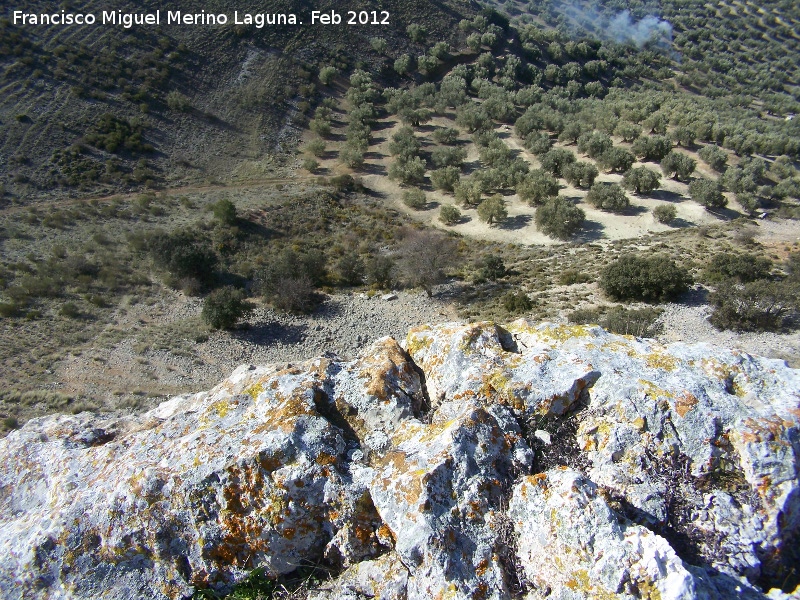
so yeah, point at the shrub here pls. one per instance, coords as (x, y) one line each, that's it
(449, 214)
(468, 191)
(326, 74)
(517, 302)
(559, 218)
(310, 165)
(649, 279)
(556, 159)
(425, 256)
(446, 135)
(183, 254)
(743, 268)
(445, 179)
(616, 159)
(380, 271)
(491, 267)
(641, 180)
(414, 198)
(608, 196)
(580, 174)
(351, 157)
(641, 322)
(665, 213)
(443, 156)
(403, 65)
(350, 269)
(492, 209)
(652, 147)
(316, 147)
(708, 193)
(224, 211)
(537, 187)
(594, 144)
(714, 156)
(408, 171)
(573, 276)
(177, 101)
(222, 308)
(756, 306)
(416, 33)
(678, 165)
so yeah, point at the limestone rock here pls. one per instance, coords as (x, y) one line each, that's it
(671, 471)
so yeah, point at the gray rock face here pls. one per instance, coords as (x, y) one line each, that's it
(472, 461)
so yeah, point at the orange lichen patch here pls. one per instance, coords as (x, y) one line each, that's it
(660, 360)
(325, 459)
(540, 480)
(386, 533)
(288, 533)
(685, 402)
(764, 487)
(389, 364)
(764, 430)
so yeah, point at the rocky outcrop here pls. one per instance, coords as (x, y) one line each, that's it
(472, 461)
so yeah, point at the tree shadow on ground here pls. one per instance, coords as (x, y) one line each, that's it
(515, 222)
(269, 333)
(590, 231)
(373, 169)
(665, 195)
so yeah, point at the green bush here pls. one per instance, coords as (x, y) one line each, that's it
(445, 179)
(224, 211)
(715, 157)
(316, 147)
(555, 160)
(608, 196)
(743, 268)
(415, 198)
(222, 308)
(449, 214)
(537, 187)
(580, 174)
(491, 267)
(665, 213)
(326, 74)
(493, 210)
(310, 164)
(445, 135)
(678, 165)
(708, 193)
(648, 279)
(350, 269)
(755, 306)
(517, 302)
(641, 180)
(559, 218)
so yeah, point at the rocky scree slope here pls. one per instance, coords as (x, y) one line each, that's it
(471, 461)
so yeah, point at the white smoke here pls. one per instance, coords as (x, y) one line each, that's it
(623, 29)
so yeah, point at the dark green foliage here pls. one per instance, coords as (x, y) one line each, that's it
(642, 322)
(223, 307)
(113, 134)
(491, 267)
(580, 174)
(594, 144)
(184, 254)
(608, 196)
(743, 268)
(350, 269)
(443, 156)
(469, 191)
(224, 211)
(641, 180)
(559, 218)
(678, 165)
(756, 306)
(449, 214)
(536, 187)
(445, 179)
(652, 147)
(708, 193)
(407, 171)
(414, 198)
(380, 271)
(492, 210)
(404, 144)
(288, 280)
(555, 160)
(517, 302)
(665, 213)
(715, 157)
(648, 279)
(617, 160)
(445, 135)
(538, 143)
(69, 310)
